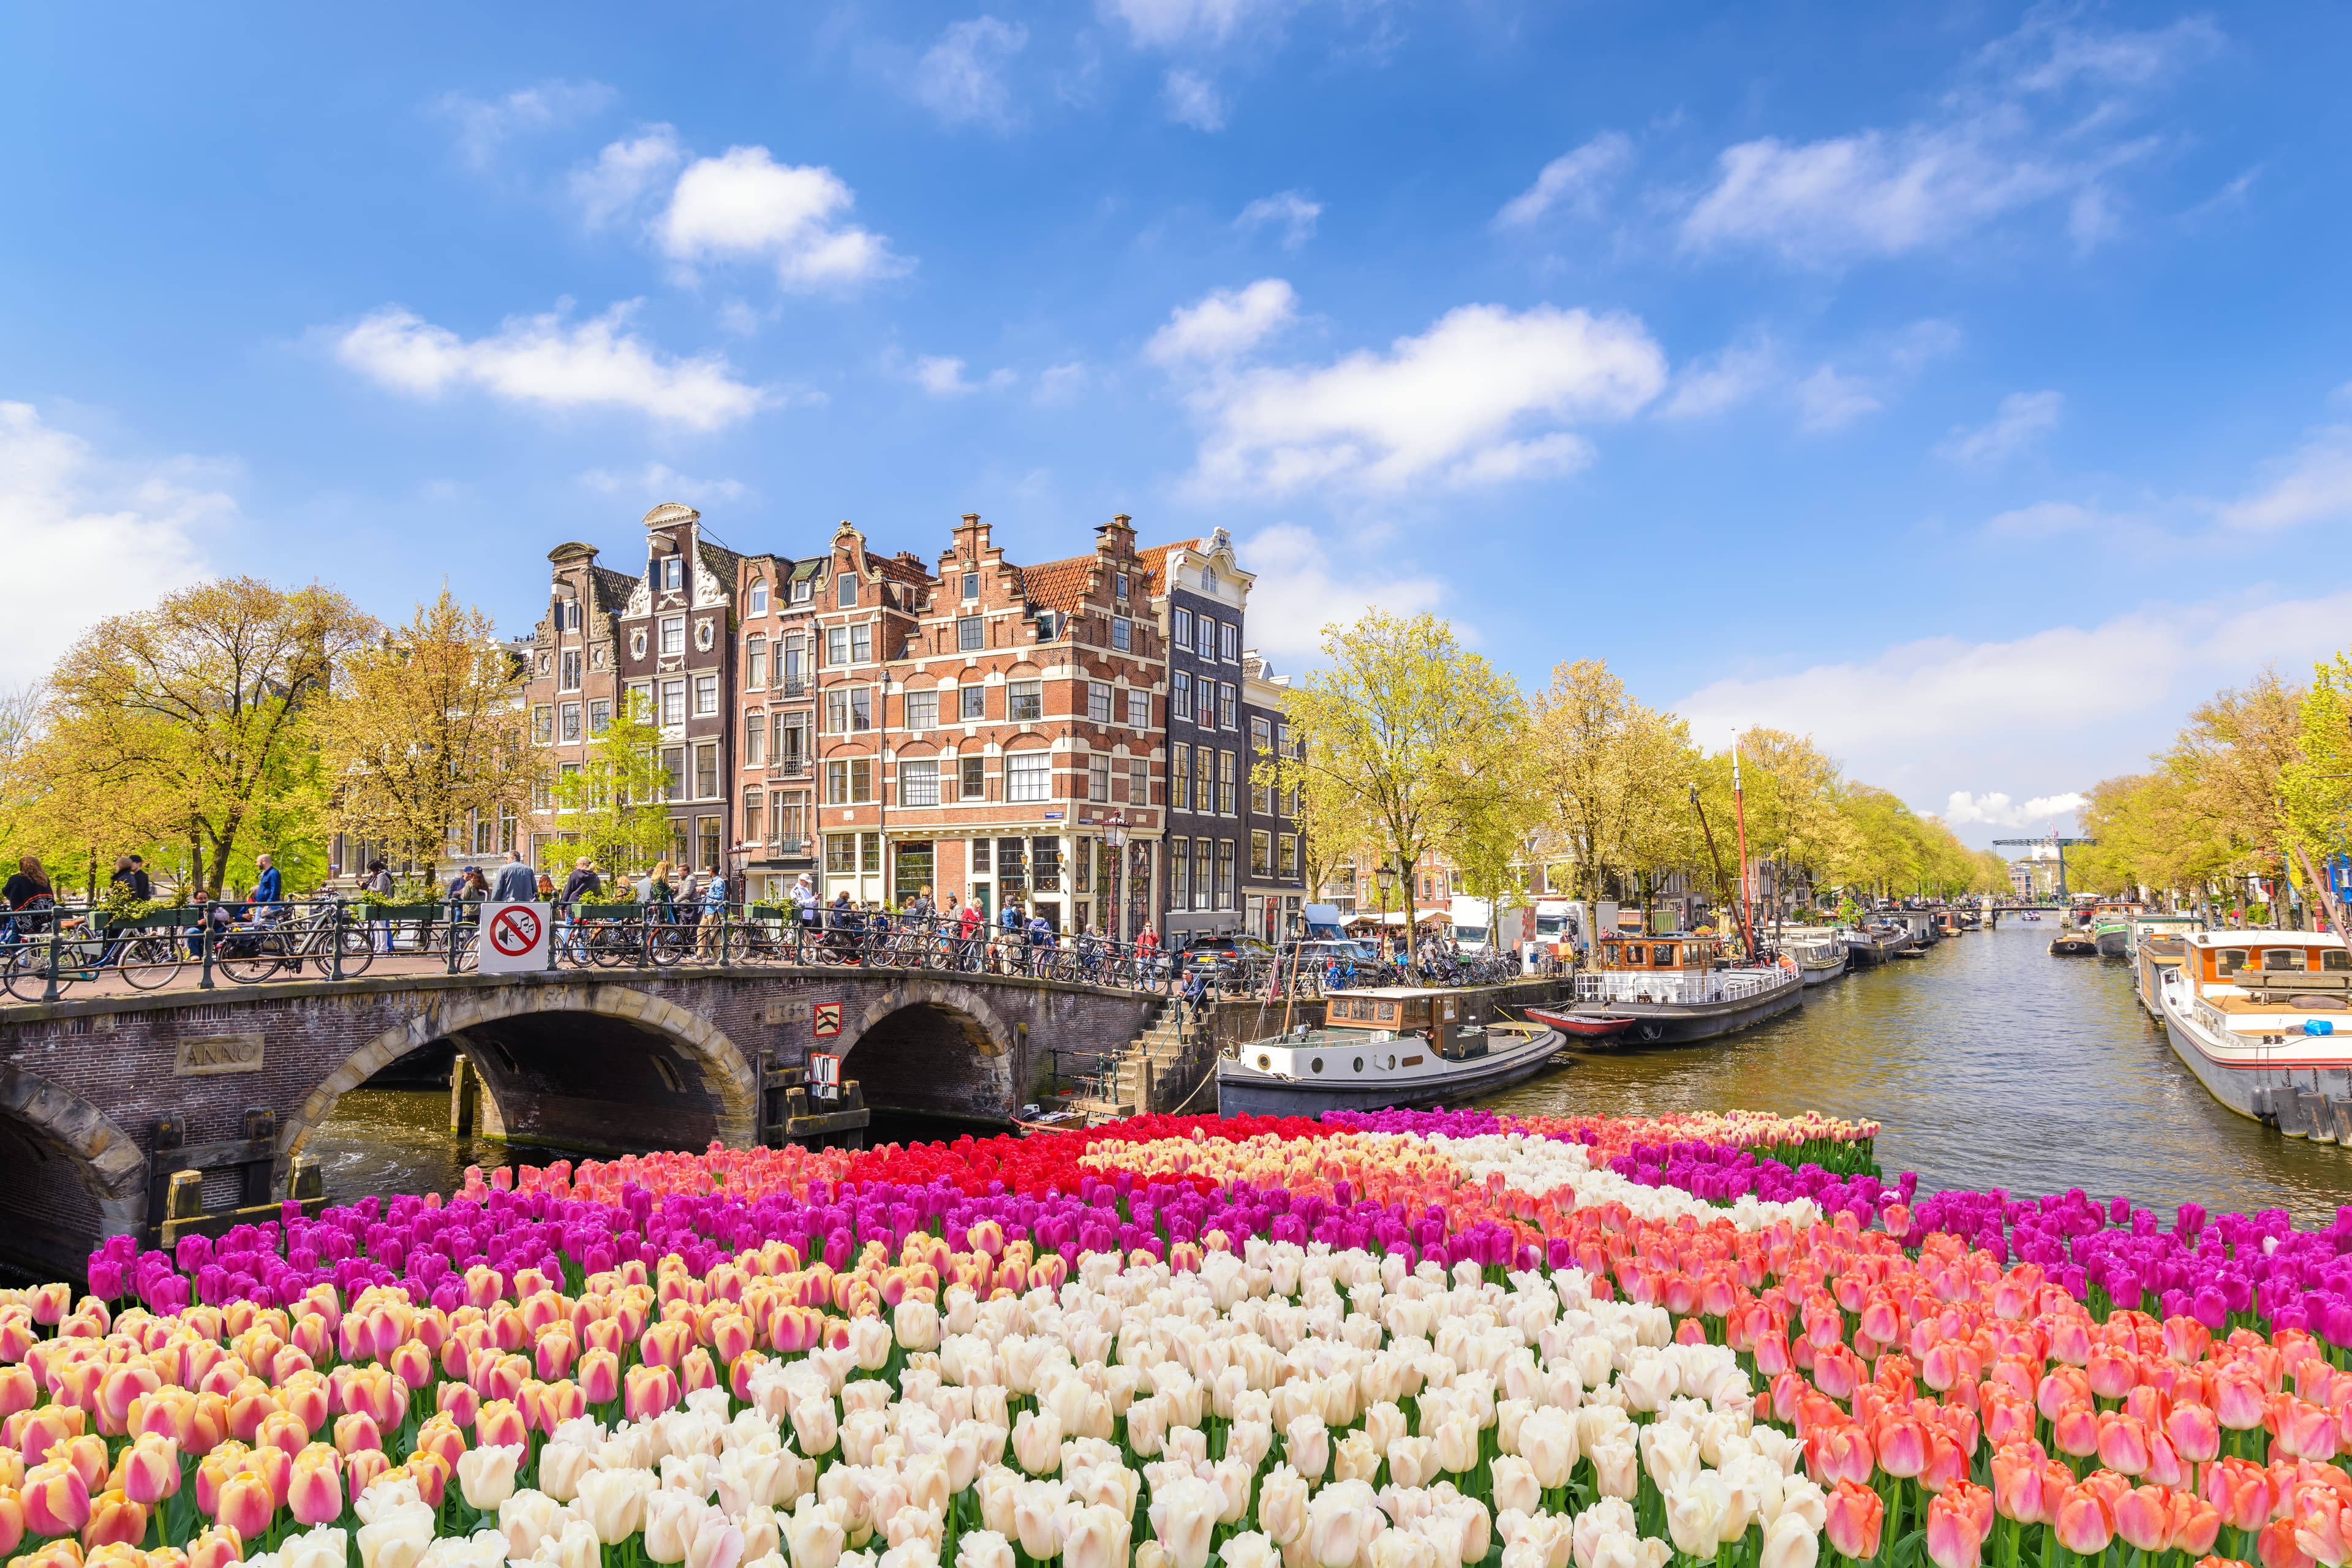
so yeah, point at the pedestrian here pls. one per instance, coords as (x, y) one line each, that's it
(714, 913)
(546, 888)
(121, 878)
(377, 885)
(968, 931)
(804, 910)
(1195, 994)
(583, 882)
(922, 908)
(516, 885)
(268, 889)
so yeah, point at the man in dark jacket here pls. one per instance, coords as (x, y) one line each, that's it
(517, 884)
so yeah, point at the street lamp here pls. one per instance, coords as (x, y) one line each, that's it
(1386, 876)
(1115, 837)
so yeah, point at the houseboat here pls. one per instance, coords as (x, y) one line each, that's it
(2264, 1018)
(2157, 948)
(1678, 989)
(2111, 928)
(1384, 1048)
(1866, 947)
(1819, 950)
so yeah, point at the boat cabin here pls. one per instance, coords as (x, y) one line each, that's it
(1450, 1020)
(2267, 960)
(1630, 952)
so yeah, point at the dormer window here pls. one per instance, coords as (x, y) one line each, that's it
(671, 573)
(1208, 579)
(759, 605)
(801, 591)
(846, 594)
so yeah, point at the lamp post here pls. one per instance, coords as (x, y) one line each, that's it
(1386, 876)
(1115, 837)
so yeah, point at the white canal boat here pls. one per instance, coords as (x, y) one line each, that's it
(2264, 1018)
(1380, 1049)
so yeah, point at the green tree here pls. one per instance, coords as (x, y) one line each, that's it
(612, 806)
(426, 727)
(1392, 732)
(199, 714)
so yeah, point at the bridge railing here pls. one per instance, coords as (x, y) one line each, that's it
(56, 955)
(53, 954)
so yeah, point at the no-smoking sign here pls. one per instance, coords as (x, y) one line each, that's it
(514, 938)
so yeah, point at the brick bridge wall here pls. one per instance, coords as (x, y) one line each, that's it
(618, 1060)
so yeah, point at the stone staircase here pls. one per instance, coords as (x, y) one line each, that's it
(1150, 1068)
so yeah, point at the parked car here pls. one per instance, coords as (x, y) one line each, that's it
(1226, 957)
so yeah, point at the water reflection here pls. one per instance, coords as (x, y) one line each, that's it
(1989, 1064)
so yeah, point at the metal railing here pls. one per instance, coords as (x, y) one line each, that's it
(1680, 986)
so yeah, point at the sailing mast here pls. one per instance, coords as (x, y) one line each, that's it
(1740, 812)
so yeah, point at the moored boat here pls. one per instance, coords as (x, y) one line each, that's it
(2264, 1018)
(2073, 942)
(2157, 948)
(1820, 952)
(2110, 927)
(1673, 989)
(1380, 1049)
(1581, 1025)
(1872, 945)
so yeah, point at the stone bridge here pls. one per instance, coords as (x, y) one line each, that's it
(101, 1099)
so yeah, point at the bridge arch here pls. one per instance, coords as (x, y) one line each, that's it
(556, 1059)
(934, 1045)
(79, 1170)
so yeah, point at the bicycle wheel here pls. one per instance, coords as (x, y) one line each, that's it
(249, 957)
(465, 939)
(358, 948)
(670, 946)
(148, 963)
(27, 973)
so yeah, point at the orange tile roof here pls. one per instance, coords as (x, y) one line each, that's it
(1056, 586)
(1155, 561)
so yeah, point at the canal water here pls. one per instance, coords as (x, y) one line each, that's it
(1988, 1063)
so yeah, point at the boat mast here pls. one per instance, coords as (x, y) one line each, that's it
(1739, 813)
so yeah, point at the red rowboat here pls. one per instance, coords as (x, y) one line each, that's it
(1583, 1025)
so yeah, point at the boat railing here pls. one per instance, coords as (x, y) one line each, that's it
(1675, 985)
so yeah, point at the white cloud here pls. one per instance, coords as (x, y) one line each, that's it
(2057, 709)
(1169, 24)
(1455, 404)
(1723, 380)
(2022, 418)
(1060, 383)
(1292, 210)
(1994, 809)
(1828, 400)
(1227, 323)
(118, 532)
(659, 482)
(485, 124)
(1574, 180)
(942, 377)
(625, 173)
(744, 205)
(2039, 119)
(1192, 99)
(1304, 583)
(2043, 518)
(2313, 484)
(551, 362)
(961, 78)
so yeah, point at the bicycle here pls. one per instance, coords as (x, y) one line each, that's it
(255, 951)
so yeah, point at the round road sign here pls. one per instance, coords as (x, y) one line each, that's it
(514, 931)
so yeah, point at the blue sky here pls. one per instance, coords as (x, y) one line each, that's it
(1967, 385)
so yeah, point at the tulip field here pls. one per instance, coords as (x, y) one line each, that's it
(1386, 1340)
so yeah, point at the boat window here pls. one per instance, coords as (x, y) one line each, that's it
(2276, 958)
(1663, 955)
(1360, 1064)
(1316, 1064)
(2335, 958)
(2229, 960)
(1636, 953)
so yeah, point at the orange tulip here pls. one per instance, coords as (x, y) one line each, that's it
(1958, 1520)
(2144, 1518)
(247, 1505)
(148, 1469)
(439, 1436)
(215, 1547)
(647, 1391)
(411, 1362)
(282, 1429)
(275, 1467)
(2122, 1443)
(2074, 1431)
(114, 1520)
(1855, 1519)
(355, 1432)
(361, 1467)
(2195, 1524)
(56, 1499)
(2277, 1548)
(499, 1424)
(554, 1354)
(314, 1492)
(2240, 1491)
(458, 1402)
(2083, 1524)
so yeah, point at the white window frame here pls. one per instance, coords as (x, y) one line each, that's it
(1028, 776)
